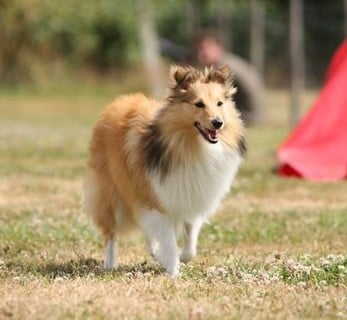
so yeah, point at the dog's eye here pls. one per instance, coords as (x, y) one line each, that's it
(200, 104)
(220, 103)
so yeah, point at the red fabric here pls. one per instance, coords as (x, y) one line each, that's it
(317, 148)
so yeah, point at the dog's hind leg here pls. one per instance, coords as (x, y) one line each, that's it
(100, 202)
(107, 226)
(107, 223)
(191, 234)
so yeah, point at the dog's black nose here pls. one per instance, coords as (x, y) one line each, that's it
(217, 123)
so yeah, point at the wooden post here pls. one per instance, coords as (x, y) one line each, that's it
(297, 60)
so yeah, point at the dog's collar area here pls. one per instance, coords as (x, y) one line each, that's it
(211, 135)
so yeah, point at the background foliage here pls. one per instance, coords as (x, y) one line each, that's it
(40, 38)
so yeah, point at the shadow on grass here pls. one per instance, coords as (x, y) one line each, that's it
(83, 268)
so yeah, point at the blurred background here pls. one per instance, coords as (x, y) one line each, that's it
(60, 44)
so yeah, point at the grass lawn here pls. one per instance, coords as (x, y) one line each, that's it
(277, 249)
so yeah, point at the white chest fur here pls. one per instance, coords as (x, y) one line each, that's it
(195, 188)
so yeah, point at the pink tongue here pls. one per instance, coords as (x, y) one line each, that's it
(213, 134)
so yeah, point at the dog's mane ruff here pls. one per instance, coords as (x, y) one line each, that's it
(157, 155)
(163, 153)
(195, 188)
(242, 145)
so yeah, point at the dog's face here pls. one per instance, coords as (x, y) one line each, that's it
(204, 99)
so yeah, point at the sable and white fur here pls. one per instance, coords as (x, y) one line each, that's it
(164, 166)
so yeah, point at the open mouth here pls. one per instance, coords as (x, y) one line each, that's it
(211, 135)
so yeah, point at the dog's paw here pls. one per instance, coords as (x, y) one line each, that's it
(173, 272)
(110, 265)
(186, 256)
(170, 262)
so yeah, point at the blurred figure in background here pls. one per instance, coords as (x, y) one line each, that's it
(248, 99)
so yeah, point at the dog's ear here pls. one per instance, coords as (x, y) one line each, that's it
(222, 75)
(182, 77)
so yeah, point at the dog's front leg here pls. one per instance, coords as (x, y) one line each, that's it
(110, 261)
(191, 234)
(158, 226)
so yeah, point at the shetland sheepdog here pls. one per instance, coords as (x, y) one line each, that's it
(164, 166)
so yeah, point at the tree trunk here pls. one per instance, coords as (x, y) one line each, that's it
(150, 48)
(257, 45)
(193, 18)
(297, 59)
